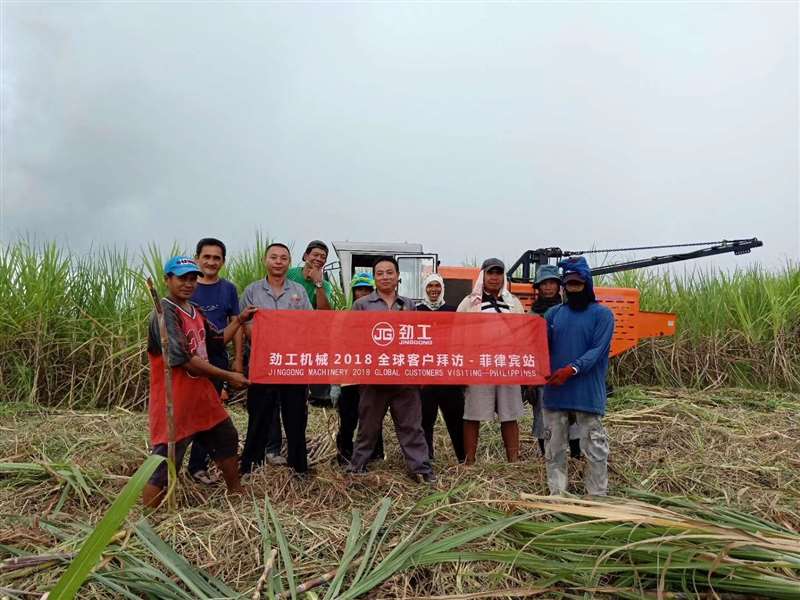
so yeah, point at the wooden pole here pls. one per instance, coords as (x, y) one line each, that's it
(162, 330)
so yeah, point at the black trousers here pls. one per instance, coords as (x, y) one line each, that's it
(347, 406)
(263, 401)
(450, 400)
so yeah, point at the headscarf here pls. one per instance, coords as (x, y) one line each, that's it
(433, 305)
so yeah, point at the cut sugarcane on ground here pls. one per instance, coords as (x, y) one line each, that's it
(735, 454)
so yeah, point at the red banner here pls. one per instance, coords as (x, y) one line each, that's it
(394, 347)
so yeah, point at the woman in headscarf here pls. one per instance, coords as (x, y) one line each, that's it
(447, 398)
(482, 402)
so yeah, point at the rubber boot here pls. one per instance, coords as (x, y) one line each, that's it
(510, 433)
(471, 432)
(541, 446)
(230, 473)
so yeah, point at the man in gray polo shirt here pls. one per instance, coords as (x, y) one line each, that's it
(276, 292)
(402, 401)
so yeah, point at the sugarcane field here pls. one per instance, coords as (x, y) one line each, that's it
(399, 300)
(703, 501)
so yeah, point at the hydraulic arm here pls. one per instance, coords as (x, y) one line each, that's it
(524, 269)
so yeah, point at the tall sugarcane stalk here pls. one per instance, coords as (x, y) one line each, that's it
(172, 478)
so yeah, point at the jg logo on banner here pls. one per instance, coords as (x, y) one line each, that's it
(382, 334)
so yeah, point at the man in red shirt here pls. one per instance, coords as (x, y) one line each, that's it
(198, 411)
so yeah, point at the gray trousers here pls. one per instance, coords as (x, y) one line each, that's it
(405, 406)
(537, 429)
(594, 445)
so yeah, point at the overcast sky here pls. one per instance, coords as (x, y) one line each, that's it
(475, 129)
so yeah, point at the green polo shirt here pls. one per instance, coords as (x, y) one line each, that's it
(296, 275)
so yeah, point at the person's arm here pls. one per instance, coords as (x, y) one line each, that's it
(238, 336)
(601, 343)
(323, 302)
(179, 355)
(314, 275)
(199, 366)
(238, 350)
(548, 317)
(246, 300)
(233, 327)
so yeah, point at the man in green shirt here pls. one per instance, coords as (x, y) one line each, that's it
(309, 275)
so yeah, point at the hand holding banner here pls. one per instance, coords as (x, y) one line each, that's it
(398, 348)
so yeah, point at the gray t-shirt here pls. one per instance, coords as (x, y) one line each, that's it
(373, 302)
(260, 294)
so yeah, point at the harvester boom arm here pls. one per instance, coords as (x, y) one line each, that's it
(532, 259)
(735, 246)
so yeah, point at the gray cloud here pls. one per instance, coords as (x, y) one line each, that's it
(475, 129)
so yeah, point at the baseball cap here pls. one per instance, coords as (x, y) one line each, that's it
(316, 244)
(181, 265)
(493, 263)
(573, 276)
(362, 280)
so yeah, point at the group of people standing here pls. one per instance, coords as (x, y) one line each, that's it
(202, 314)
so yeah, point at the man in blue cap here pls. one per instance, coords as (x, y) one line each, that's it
(579, 334)
(198, 413)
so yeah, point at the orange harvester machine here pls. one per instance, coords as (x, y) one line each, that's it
(631, 323)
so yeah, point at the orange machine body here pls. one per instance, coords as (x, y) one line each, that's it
(631, 324)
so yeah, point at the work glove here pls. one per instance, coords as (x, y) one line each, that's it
(561, 376)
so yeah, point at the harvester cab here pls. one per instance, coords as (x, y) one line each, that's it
(356, 257)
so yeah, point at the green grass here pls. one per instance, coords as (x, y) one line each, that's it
(72, 328)
(735, 329)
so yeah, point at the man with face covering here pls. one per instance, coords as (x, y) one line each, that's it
(548, 294)
(447, 398)
(579, 335)
(482, 402)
